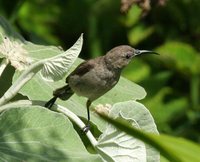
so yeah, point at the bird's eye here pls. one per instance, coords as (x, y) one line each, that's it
(128, 56)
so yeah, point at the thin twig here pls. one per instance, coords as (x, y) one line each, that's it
(76, 120)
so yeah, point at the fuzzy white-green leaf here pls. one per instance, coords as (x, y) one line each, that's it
(115, 145)
(55, 68)
(52, 68)
(32, 133)
(118, 146)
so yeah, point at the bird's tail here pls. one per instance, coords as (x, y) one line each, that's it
(63, 93)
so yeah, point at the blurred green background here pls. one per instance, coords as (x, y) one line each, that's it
(170, 27)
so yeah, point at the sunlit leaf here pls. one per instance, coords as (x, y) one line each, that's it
(51, 67)
(15, 53)
(180, 56)
(139, 33)
(133, 16)
(37, 134)
(137, 71)
(174, 149)
(116, 145)
(56, 68)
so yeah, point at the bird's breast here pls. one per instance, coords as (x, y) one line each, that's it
(94, 83)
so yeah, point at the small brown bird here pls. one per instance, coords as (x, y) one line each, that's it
(95, 77)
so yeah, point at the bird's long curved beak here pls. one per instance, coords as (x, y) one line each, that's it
(139, 52)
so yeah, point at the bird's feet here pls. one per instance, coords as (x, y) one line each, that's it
(86, 128)
(50, 103)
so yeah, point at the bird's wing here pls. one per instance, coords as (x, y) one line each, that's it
(82, 69)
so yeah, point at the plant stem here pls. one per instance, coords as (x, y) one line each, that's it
(20, 103)
(76, 120)
(3, 65)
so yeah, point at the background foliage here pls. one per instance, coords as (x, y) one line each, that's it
(172, 80)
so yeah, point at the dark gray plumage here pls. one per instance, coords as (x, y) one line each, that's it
(95, 77)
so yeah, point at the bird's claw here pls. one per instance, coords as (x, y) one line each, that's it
(86, 128)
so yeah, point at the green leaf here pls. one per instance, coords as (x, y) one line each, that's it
(125, 147)
(184, 149)
(180, 56)
(19, 54)
(14, 52)
(137, 70)
(56, 68)
(133, 16)
(37, 134)
(130, 90)
(65, 59)
(115, 145)
(174, 149)
(139, 33)
(165, 112)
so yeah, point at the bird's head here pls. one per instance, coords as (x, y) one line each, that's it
(120, 56)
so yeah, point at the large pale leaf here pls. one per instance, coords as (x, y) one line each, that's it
(37, 134)
(18, 53)
(12, 47)
(52, 69)
(57, 67)
(120, 146)
(173, 148)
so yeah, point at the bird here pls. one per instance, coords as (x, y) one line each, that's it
(95, 77)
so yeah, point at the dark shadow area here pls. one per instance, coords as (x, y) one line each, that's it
(94, 130)
(6, 79)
